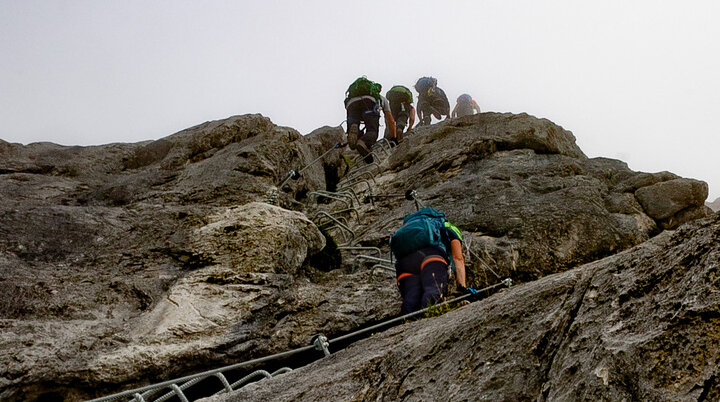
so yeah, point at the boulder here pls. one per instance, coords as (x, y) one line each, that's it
(674, 202)
(258, 237)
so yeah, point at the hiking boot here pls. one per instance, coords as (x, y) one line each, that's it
(353, 135)
(362, 149)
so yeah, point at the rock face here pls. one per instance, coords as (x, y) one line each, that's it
(640, 325)
(128, 264)
(715, 205)
(527, 198)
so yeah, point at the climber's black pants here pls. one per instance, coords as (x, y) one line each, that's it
(422, 284)
(368, 112)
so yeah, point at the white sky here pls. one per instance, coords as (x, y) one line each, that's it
(633, 80)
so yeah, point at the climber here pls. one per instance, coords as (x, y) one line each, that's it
(465, 106)
(363, 103)
(422, 247)
(401, 99)
(432, 101)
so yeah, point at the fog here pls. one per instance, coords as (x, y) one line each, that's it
(636, 81)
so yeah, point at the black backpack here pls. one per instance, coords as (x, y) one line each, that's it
(439, 100)
(424, 83)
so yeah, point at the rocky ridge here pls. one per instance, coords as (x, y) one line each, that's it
(640, 325)
(715, 205)
(128, 264)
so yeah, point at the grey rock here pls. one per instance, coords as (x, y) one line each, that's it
(639, 325)
(715, 205)
(127, 264)
(527, 207)
(132, 261)
(675, 201)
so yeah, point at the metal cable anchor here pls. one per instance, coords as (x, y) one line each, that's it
(321, 343)
(412, 195)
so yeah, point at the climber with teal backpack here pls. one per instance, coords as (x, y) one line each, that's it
(424, 246)
(363, 103)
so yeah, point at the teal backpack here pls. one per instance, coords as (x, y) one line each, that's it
(419, 230)
(363, 86)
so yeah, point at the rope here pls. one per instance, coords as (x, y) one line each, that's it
(485, 266)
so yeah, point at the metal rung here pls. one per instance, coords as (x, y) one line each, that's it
(331, 196)
(335, 194)
(345, 239)
(224, 382)
(349, 186)
(376, 259)
(368, 175)
(350, 210)
(282, 371)
(250, 377)
(367, 168)
(376, 249)
(359, 158)
(385, 145)
(339, 224)
(320, 222)
(179, 393)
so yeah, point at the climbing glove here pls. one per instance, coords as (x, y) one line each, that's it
(474, 294)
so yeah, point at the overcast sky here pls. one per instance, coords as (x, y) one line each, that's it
(634, 80)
